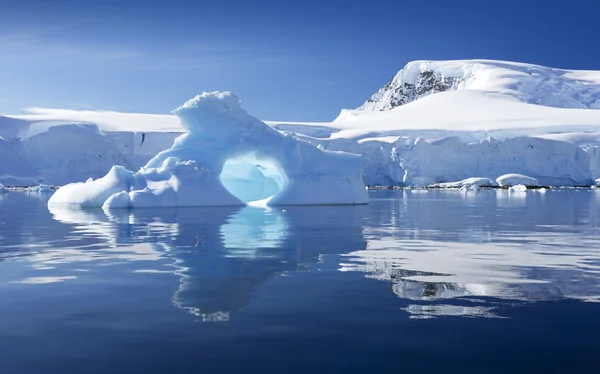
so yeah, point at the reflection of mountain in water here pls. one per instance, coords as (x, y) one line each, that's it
(223, 254)
(435, 247)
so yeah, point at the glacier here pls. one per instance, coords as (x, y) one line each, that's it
(459, 119)
(269, 168)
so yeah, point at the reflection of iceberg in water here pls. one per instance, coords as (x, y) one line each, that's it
(88, 223)
(99, 238)
(244, 252)
(252, 229)
(256, 246)
(516, 250)
(221, 255)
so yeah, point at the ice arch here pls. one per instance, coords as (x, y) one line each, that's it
(252, 178)
(219, 130)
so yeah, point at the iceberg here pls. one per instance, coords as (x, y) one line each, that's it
(473, 181)
(518, 188)
(226, 158)
(508, 180)
(470, 187)
(42, 188)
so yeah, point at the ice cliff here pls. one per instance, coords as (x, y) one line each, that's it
(218, 130)
(409, 161)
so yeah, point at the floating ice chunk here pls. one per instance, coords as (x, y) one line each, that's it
(518, 188)
(42, 188)
(515, 179)
(3, 189)
(472, 188)
(189, 173)
(541, 190)
(482, 182)
(419, 190)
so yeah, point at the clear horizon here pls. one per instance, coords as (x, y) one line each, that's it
(289, 62)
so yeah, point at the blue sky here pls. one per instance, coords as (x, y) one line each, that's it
(286, 60)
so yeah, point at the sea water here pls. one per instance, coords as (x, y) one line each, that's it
(444, 281)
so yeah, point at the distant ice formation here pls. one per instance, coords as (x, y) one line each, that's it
(473, 181)
(266, 165)
(509, 180)
(517, 188)
(470, 188)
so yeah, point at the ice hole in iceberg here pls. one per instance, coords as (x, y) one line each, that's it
(252, 179)
(226, 158)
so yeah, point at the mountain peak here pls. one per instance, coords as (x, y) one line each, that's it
(528, 83)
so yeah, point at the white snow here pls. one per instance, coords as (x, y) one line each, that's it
(382, 139)
(105, 120)
(495, 118)
(580, 139)
(515, 180)
(190, 172)
(456, 112)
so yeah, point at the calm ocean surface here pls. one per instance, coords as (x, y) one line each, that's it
(437, 281)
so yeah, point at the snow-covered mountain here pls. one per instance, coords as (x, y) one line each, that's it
(450, 120)
(526, 83)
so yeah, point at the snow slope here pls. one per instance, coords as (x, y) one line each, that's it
(107, 120)
(462, 119)
(471, 114)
